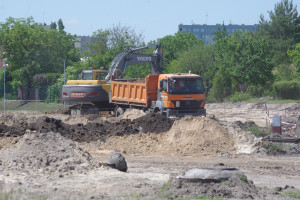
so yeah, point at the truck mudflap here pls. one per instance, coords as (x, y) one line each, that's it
(185, 113)
(84, 93)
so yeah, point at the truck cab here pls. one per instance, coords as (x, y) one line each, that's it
(180, 95)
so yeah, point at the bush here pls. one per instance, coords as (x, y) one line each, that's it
(238, 97)
(221, 86)
(287, 89)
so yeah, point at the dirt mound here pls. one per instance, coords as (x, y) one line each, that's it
(45, 152)
(236, 187)
(153, 123)
(244, 140)
(99, 131)
(133, 114)
(187, 137)
(199, 135)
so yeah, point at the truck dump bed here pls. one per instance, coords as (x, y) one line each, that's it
(137, 92)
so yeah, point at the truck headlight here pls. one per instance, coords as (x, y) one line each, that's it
(177, 103)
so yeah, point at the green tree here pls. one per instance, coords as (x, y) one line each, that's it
(175, 45)
(294, 55)
(110, 42)
(199, 59)
(245, 58)
(61, 26)
(31, 50)
(282, 30)
(53, 25)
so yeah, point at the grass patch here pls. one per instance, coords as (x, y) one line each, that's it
(201, 198)
(244, 178)
(238, 97)
(292, 193)
(17, 195)
(258, 131)
(30, 106)
(10, 195)
(165, 187)
(273, 147)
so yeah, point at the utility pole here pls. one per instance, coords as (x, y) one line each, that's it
(4, 95)
(64, 76)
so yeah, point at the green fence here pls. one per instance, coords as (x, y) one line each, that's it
(40, 98)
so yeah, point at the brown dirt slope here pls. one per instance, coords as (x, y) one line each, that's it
(187, 137)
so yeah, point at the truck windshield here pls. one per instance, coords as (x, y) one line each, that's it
(186, 86)
(87, 75)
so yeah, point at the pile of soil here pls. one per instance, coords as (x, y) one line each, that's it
(153, 123)
(236, 187)
(79, 132)
(132, 114)
(244, 140)
(195, 136)
(48, 152)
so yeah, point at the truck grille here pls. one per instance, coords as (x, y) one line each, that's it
(189, 103)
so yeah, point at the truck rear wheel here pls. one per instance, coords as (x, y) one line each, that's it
(119, 112)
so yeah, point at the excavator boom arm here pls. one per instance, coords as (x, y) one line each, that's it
(131, 57)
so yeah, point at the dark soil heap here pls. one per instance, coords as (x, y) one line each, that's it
(236, 187)
(151, 122)
(154, 123)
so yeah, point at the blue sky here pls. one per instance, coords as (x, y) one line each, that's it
(153, 18)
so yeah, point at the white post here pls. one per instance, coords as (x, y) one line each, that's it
(4, 95)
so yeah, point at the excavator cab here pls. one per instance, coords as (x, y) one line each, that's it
(118, 74)
(87, 75)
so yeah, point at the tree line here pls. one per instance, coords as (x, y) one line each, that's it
(239, 65)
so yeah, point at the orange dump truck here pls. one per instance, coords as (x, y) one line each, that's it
(173, 95)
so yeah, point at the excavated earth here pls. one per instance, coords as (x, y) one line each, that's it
(99, 131)
(56, 156)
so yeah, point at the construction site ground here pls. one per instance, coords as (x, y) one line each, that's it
(58, 156)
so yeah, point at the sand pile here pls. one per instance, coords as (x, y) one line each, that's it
(48, 152)
(133, 114)
(187, 137)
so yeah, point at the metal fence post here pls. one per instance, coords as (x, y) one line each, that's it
(4, 95)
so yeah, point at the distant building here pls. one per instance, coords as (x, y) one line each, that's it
(82, 42)
(46, 27)
(206, 32)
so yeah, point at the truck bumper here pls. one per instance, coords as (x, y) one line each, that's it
(84, 94)
(185, 113)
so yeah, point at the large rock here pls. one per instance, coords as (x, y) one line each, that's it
(211, 174)
(116, 160)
